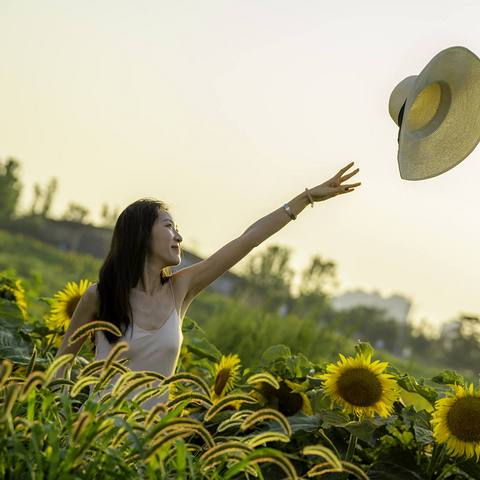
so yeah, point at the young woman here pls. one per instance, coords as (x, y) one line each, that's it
(136, 293)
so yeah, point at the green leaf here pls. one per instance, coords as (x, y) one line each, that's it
(203, 349)
(394, 370)
(335, 418)
(319, 401)
(49, 301)
(364, 428)
(11, 313)
(188, 325)
(470, 467)
(13, 345)
(411, 416)
(365, 348)
(275, 353)
(447, 377)
(410, 384)
(298, 366)
(423, 436)
(302, 387)
(300, 422)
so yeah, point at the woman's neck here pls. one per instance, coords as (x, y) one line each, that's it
(151, 278)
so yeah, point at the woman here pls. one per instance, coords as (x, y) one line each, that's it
(136, 293)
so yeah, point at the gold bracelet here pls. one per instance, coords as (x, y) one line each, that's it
(310, 199)
(289, 211)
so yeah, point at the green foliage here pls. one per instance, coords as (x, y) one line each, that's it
(10, 188)
(45, 195)
(248, 332)
(44, 269)
(52, 428)
(364, 348)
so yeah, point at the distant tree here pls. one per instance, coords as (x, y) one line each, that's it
(10, 188)
(419, 339)
(48, 195)
(109, 217)
(318, 277)
(462, 350)
(370, 325)
(316, 280)
(269, 276)
(76, 213)
(37, 193)
(43, 198)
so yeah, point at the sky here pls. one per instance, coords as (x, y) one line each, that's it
(228, 109)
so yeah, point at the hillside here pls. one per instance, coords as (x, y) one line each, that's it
(45, 268)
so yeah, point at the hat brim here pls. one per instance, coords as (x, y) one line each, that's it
(453, 134)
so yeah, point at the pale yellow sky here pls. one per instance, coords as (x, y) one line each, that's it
(228, 109)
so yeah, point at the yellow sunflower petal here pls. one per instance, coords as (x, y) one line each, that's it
(225, 375)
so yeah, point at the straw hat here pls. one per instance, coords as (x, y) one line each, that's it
(438, 113)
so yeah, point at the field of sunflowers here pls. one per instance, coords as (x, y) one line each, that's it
(284, 417)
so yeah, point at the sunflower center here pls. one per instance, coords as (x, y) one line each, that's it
(288, 403)
(359, 387)
(72, 305)
(221, 380)
(8, 294)
(464, 419)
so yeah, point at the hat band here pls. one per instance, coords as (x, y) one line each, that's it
(400, 119)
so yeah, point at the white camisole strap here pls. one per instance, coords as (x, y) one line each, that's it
(173, 294)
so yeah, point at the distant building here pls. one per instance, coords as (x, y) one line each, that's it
(397, 307)
(452, 330)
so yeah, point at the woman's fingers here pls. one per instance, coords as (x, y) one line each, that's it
(349, 175)
(348, 188)
(344, 169)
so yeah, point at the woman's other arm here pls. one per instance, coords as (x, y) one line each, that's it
(85, 312)
(199, 276)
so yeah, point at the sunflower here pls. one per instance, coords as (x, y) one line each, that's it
(456, 420)
(289, 403)
(14, 292)
(225, 375)
(361, 386)
(62, 312)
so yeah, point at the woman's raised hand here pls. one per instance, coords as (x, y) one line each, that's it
(334, 186)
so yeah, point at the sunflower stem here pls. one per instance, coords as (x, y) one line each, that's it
(437, 450)
(351, 450)
(322, 433)
(451, 467)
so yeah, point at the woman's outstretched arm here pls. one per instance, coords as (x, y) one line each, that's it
(199, 276)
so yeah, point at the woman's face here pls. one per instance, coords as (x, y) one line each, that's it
(164, 242)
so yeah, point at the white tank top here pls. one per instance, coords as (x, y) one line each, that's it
(150, 350)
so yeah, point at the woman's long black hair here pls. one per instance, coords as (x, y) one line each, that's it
(124, 263)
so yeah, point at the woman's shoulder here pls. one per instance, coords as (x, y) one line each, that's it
(92, 290)
(90, 297)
